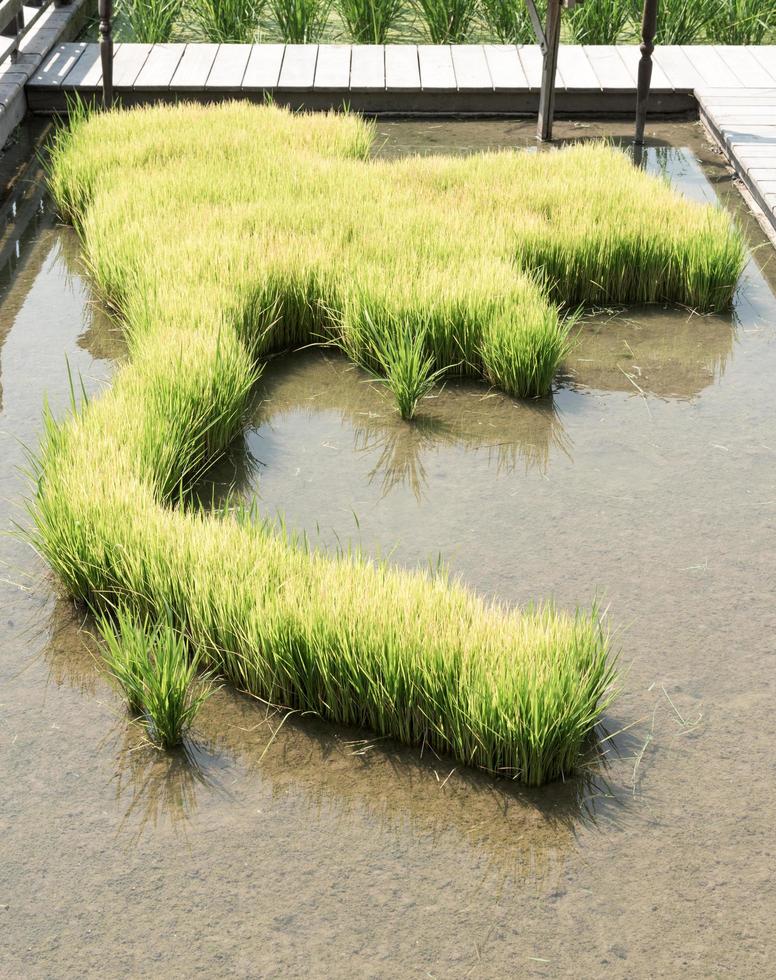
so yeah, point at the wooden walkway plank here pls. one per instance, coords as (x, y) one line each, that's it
(402, 68)
(332, 70)
(631, 57)
(677, 67)
(298, 69)
(711, 69)
(367, 68)
(228, 68)
(609, 68)
(743, 63)
(471, 68)
(436, 67)
(128, 62)
(765, 55)
(506, 70)
(531, 61)
(87, 71)
(576, 69)
(58, 65)
(156, 74)
(263, 68)
(194, 67)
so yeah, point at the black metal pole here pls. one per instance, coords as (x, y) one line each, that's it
(648, 31)
(105, 11)
(549, 68)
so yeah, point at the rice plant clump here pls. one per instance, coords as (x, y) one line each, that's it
(316, 240)
(599, 21)
(301, 21)
(369, 21)
(150, 21)
(508, 20)
(742, 22)
(447, 21)
(227, 21)
(153, 669)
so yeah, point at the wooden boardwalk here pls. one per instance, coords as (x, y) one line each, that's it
(733, 87)
(399, 79)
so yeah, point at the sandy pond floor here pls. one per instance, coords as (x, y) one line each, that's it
(648, 479)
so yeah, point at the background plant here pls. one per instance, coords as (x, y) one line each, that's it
(225, 21)
(447, 21)
(599, 21)
(742, 21)
(151, 665)
(150, 21)
(508, 21)
(369, 21)
(301, 21)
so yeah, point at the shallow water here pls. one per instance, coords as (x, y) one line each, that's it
(648, 479)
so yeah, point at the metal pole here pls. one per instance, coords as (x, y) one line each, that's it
(549, 66)
(105, 11)
(648, 31)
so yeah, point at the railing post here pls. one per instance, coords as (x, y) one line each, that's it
(549, 67)
(648, 31)
(11, 29)
(105, 11)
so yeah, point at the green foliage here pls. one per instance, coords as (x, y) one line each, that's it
(219, 234)
(151, 665)
(225, 21)
(599, 21)
(508, 21)
(369, 21)
(150, 21)
(301, 21)
(742, 21)
(447, 21)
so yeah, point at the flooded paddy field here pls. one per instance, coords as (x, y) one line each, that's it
(647, 479)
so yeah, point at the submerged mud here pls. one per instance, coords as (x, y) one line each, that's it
(282, 846)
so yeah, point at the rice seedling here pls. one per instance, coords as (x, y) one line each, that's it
(150, 21)
(227, 21)
(369, 21)
(599, 21)
(447, 21)
(151, 665)
(318, 240)
(301, 21)
(741, 22)
(508, 20)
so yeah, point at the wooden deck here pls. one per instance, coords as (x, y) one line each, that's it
(398, 79)
(733, 87)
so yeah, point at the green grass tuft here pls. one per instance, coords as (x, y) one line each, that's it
(151, 665)
(220, 234)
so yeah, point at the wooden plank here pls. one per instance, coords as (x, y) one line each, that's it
(609, 68)
(765, 55)
(157, 72)
(263, 68)
(677, 67)
(575, 68)
(505, 68)
(471, 68)
(743, 63)
(710, 67)
(58, 65)
(229, 67)
(531, 61)
(367, 68)
(402, 68)
(194, 67)
(631, 56)
(128, 62)
(298, 69)
(436, 68)
(332, 70)
(87, 72)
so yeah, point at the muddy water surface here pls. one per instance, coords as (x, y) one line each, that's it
(647, 479)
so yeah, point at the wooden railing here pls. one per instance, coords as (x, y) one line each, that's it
(16, 23)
